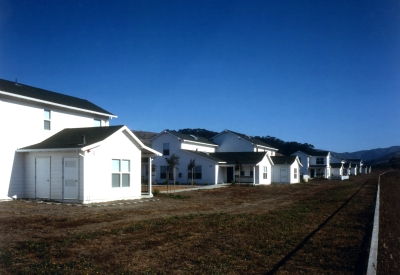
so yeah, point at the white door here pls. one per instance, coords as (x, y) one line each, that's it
(42, 173)
(284, 175)
(70, 178)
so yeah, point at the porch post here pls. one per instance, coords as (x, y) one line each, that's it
(149, 177)
(254, 174)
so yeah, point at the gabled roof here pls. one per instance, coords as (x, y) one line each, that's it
(188, 138)
(82, 139)
(320, 154)
(240, 157)
(284, 159)
(30, 93)
(248, 138)
(206, 156)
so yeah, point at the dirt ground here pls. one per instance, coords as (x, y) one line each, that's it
(22, 220)
(26, 227)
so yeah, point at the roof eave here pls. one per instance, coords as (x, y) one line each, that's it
(57, 104)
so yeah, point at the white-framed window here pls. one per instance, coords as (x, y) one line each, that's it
(166, 149)
(320, 160)
(121, 173)
(97, 123)
(295, 173)
(197, 173)
(163, 173)
(265, 172)
(242, 171)
(47, 120)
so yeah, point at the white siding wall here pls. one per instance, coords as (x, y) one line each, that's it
(260, 169)
(23, 126)
(229, 142)
(197, 147)
(208, 173)
(304, 160)
(98, 170)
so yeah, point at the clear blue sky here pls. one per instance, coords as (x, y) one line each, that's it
(321, 72)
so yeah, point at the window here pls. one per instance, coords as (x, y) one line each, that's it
(163, 173)
(97, 123)
(251, 172)
(47, 117)
(241, 172)
(265, 172)
(320, 160)
(295, 173)
(121, 173)
(197, 173)
(166, 149)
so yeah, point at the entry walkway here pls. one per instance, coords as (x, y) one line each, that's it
(204, 187)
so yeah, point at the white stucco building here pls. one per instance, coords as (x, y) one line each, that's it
(60, 147)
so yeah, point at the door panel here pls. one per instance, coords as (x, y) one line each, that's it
(70, 178)
(42, 173)
(284, 175)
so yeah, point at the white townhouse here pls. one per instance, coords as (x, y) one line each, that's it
(230, 141)
(172, 142)
(359, 163)
(286, 169)
(213, 166)
(59, 147)
(317, 165)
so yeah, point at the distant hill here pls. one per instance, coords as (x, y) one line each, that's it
(372, 156)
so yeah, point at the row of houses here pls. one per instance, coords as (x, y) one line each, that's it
(227, 157)
(59, 147)
(322, 164)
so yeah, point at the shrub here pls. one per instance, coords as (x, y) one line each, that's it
(156, 192)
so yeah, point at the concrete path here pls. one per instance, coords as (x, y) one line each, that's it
(201, 187)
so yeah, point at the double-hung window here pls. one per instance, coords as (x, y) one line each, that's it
(47, 117)
(295, 173)
(198, 175)
(320, 160)
(121, 176)
(166, 149)
(265, 172)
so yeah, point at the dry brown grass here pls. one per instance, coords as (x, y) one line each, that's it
(389, 224)
(321, 227)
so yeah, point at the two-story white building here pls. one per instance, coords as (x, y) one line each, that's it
(59, 147)
(227, 157)
(316, 165)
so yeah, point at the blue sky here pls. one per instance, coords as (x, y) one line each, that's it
(321, 72)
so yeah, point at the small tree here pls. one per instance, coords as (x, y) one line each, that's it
(238, 167)
(172, 165)
(191, 165)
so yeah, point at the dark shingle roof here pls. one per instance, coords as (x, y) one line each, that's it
(192, 138)
(241, 157)
(336, 165)
(283, 159)
(205, 155)
(53, 97)
(251, 139)
(72, 138)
